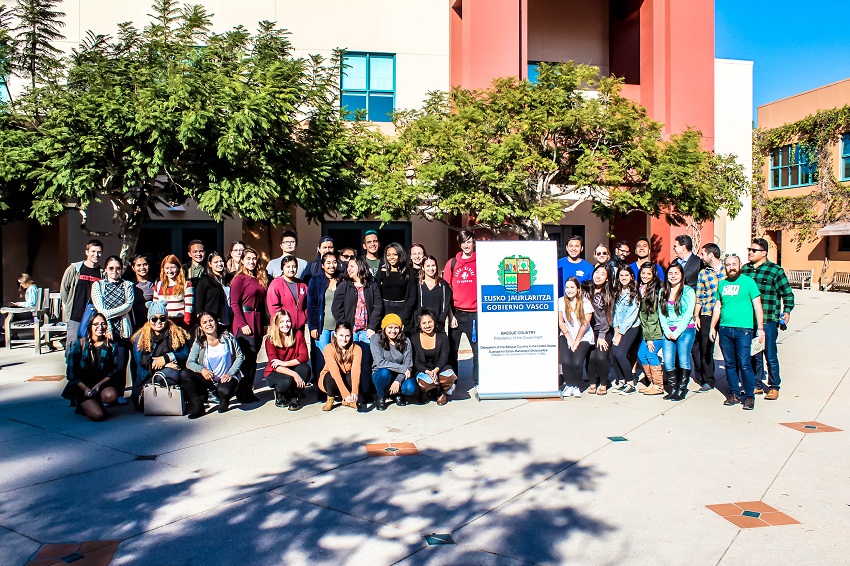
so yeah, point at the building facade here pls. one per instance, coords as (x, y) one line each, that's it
(398, 50)
(788, 172)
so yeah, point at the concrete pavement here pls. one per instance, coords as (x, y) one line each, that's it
(512, 482)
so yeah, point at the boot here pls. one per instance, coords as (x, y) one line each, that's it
(278, 398)
(656, 386)
(671, 383)
(648, 373)
(223, 403)
(682, 389)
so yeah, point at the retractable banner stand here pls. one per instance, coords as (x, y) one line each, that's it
(517, 319)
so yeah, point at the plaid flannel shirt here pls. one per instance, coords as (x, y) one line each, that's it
(707, 289)
(776, 293)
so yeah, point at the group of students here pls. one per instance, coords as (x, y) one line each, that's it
(376, 327)
(615, 316)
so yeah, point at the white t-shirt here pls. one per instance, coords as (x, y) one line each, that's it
(218, 359)
(574, 324)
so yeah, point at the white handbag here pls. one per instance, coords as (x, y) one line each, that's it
(162, 398)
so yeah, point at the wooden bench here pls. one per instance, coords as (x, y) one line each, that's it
(801, 277)
(840, 281)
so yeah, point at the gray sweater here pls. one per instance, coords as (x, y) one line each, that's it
(392, 359)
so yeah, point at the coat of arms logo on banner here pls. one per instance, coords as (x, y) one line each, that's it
(517, 273)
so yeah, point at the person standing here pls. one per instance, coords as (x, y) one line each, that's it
(642, 251)
(320, 318)
(627, 332)
(211, 291)
(706, 297)
(314, 268)
(173, 288)
(434, 293)
(75, 289)
(683, 247)
(650, 327)
(288, 243)
(738, 303)
(247, 298)
(417, 257)
(196, 268)
(371, 244)
(142, 290)
(777, 299)
(399, 285)
(676, 315)
(461, 275)
(234, 260)
(288, 293)
(573, 265)
(602, 299)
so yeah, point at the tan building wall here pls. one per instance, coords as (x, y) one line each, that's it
(787, 247)
(569, 30)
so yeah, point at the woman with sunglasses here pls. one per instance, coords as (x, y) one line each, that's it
(113, 298)
(602, 300)
(213, 365)
(287, 371)
(399, 287)
(247, 301)
(142, 289)
(676, 315)
(211, 293)
(603, 257)
(93, 365)
(175, 290)
(320, 318)
(159, 345)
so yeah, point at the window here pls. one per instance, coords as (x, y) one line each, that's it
(533, 67)
(790, 167)
(368, 83)
(844, 243)
(845, 157)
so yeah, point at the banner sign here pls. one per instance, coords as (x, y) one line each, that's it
(517, 319)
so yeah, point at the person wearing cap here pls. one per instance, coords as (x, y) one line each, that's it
(392, 363)
(314, 268)
(159, 345)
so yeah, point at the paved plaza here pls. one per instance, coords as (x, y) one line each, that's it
(509, 482)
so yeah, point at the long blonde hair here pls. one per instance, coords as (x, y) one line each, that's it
(145, 336)
(260, 270)
(179, 280)
(277, 337)
(569, 311)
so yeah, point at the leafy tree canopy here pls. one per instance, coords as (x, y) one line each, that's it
(520, 155)
(173, 112)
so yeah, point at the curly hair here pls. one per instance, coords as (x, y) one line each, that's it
(144, 335)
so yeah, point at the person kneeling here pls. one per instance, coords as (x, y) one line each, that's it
(341, 374)
(287, 371)
(213, 365)
(93, 364)
(431, 359)
(392, 360)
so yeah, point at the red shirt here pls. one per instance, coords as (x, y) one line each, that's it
(464, 282)
(298, 351)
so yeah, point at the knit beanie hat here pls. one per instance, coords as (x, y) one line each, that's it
(156, 308)
(391, 318)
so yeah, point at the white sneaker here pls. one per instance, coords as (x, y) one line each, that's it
(576, 391)
(451, 389)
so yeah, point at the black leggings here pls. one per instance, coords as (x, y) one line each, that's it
(573, 362)
(599, 362)
(195, 387)
(248, 345)
(620, 354)
(330, 384)
(284, 383)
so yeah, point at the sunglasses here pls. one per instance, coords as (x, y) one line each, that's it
(346, 256)
(601, 253)
(754, 250)
(160, 318)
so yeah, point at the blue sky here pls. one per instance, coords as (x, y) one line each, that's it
(796, 46)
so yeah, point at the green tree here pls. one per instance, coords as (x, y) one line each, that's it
(173, 112)
(38, 29)
(519, 155)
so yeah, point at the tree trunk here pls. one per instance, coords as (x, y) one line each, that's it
(131, 227)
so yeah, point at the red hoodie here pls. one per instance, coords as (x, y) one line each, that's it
(464, 282)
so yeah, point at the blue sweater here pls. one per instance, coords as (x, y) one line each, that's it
(681, 320)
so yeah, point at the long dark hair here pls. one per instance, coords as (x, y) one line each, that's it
(215, 279)
(363, 271)
(401, 266)
(649, 300)
(400, 341)
(606, 291)
(667, 289)
(632, 286)
(425, 312)
(200, 335)
(437, 277)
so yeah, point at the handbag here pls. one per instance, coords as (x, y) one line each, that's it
(161, 398)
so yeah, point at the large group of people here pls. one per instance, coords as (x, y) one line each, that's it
(386, 328)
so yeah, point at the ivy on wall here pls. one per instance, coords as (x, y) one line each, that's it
(829, 200)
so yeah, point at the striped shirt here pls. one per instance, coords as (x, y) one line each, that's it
(776, 293)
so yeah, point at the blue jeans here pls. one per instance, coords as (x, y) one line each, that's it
(648, 358)
(735, 346)
(383, 378)
(679, 348)
(318, 355)
(771, 352)
(362, 339)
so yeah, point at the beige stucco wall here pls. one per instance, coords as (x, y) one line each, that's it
(564, 30)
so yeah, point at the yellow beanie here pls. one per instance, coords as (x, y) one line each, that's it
(391, 318)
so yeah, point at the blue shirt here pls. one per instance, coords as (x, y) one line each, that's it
(581, 270)
(636, 270)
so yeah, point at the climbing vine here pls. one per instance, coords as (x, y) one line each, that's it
(828, 202)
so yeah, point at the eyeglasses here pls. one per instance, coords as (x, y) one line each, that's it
(160, 318)
(346, 256)
(100, 324)
(754, 250)
(113, 269)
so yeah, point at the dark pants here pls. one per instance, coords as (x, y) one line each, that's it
(249, 347)
(285, 384)
(465, 322)
(382, 378)
(195, 387)
(573, 362)
(771, 352)
(599, 363)
(703, 352)
(735, 346)
(620, 354)
(331, 388)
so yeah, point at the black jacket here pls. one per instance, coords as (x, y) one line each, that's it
(345, 301)
(692, 268)
(210, 297)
